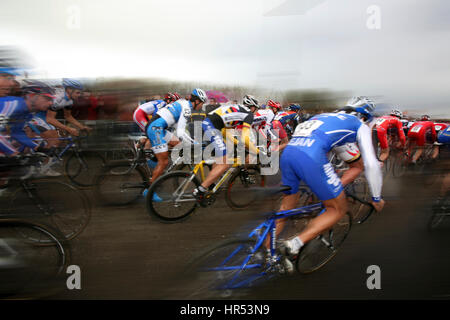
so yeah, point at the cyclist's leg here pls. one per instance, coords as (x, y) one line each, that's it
(155, 133)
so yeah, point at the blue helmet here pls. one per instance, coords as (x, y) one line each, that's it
(294, 107)
(199, 93)
(9, 70)
(362, 105)
(72, 83)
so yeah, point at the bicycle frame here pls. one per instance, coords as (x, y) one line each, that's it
(262, 231)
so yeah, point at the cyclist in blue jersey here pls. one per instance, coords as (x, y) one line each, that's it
(16, 112)
(176, 115)
(305, 158)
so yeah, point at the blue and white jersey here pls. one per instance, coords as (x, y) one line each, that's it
(14, 115)
(329, 130)
(61, 101)
(332, 129)
(152, 107)
(177, 113)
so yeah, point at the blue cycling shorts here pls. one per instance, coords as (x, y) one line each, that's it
(305, 159)
(156, 132)
(214, 136)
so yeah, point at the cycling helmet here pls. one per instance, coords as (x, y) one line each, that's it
(177, 96)
(171, 96)
(294, 107)
(200, 94)
(362, 106)
(38, 87)
(72, 83)
(9, 71)
(250, 101)
(425, 117)
(396, 113)
(273, 104)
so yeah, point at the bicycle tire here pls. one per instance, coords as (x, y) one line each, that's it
(318, 252)
(204, 283)
(163, 188)
(55, 203)
(117, 185)
(81, 167)
(237, 188)
(33, 270)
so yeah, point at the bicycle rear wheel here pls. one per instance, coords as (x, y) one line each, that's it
(81, 167)
(238, 196)
(226, 270)
(29, 269)
(53, 202)
(170, 198)
(120, 184)
(319, 251)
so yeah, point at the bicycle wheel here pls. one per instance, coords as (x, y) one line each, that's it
(53, 202)
(174, 193)
(238, 196)
(399, 166)
(360, 189)
(82, 166)
(317, 252)
(28, 269)
(226, 270)
(120, 184)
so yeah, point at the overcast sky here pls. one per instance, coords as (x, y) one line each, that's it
(281, 44)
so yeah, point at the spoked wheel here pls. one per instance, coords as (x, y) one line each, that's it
(238, 196)
(226, 270)
(170, 198)
(360, 189)
(399, 166)
(52, 202)
(120, 184)
(317, 252)
(82, 167)
(28, 268)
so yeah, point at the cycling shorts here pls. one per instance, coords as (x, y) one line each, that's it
(305, 159)
(157, 134)
(214, 136)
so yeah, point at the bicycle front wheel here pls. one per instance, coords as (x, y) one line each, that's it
(120, 184)
(28, 269)
(225, 270)
(56, 203)
(319, 251)
(170, 198)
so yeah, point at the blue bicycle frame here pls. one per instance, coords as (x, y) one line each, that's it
(268, 227)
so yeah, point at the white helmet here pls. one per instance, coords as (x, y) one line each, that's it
(362, 105)
(250, 101)
(199, 93)
(397, 113)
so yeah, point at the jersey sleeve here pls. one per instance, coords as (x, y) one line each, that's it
(371, 165)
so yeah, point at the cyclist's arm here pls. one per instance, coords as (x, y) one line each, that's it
(401, 133)
(51, 119)
(371, 165)
(68, 116)
(245, 138)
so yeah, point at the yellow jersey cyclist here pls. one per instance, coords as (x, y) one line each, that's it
(226, 117)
